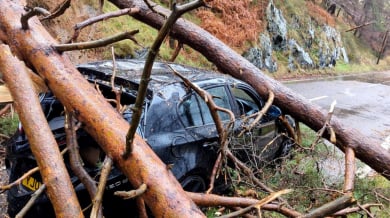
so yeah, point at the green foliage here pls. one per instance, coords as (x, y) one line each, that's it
(9, 124)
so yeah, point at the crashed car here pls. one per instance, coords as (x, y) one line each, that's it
(176, 123)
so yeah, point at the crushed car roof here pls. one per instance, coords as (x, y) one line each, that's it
(129, 71)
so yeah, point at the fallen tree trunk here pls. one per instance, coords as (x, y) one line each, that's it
(43, 145)
(106, 125)
(228, 61)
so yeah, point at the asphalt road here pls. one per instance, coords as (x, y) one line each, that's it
(363, 101)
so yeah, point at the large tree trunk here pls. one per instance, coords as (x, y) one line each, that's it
(43, 144)
(229, 62)
(164, 194)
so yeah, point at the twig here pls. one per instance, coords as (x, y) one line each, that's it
(79, 26)
(326, 126)
(365, 210)
(117, 91)
(329, 208)
(382, 196)
(176, 52)
(31, 202)
(96, 43)
(151, 7)
(349, 178)
(4, 136)
(211, 200)
(137, 109)
(31, 13)
(259, 114)
(214, 173)
(19, 180)
(97, 200)
(74, 156)
(58, 11)
(259, 204)
(250, 174)
(5, 109)
(131, 194)
(347, 211)
(360, 26)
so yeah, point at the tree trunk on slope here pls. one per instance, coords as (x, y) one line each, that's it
(229, 62)
(102, 121)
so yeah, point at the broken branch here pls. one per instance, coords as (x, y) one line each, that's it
(31, 202)
(58, 11)
(211, 200)
(31, 13)
(259, 204)
(176, 13)
(79, 26)
(96, 43)
(131, 194)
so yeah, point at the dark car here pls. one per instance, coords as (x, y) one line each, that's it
(175, 122)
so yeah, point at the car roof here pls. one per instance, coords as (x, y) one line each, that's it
(129, 72)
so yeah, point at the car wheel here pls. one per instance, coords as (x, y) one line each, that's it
(193, 183)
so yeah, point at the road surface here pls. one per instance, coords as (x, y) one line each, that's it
(363, 103)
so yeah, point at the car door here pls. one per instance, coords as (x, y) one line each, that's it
(260, 143)
(196, 118)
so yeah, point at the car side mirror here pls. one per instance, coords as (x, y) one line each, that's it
(274, 112)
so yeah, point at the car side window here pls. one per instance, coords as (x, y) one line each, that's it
(221, 99)
(246, 102)
(189, 112)
(193, 111)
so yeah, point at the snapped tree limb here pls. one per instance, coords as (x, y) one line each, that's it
(42, 142)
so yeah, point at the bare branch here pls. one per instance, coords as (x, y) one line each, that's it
(176, 13)
(31, 202)
(211, 200)
(96, 43)
(259, 114)
(31, 13)
(97, 201)
(259, 204)
(131, 194)
(350, 210)
(79, 26)
(74, 156)
(326, 126)
(58, 11)
(329, 208)
(349, 179)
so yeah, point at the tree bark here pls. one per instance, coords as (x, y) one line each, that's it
(43, 144)
(101, 120)
(229, 62)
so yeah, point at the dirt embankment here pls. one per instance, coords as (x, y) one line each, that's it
(61, 28)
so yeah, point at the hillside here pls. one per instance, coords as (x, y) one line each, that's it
(312, 40)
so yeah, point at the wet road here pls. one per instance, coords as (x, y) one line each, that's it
(363, 101)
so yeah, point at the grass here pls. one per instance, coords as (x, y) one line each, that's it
(301, 172)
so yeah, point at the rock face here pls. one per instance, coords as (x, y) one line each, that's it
(308, 44)
(298, 56)
(330, 48)
(261, 56)
(277, 27)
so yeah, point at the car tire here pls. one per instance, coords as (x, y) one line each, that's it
(194, 183)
